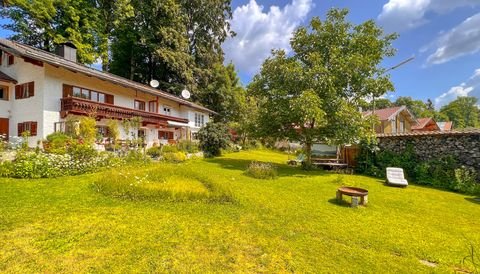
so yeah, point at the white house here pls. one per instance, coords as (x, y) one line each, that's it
(39, 89)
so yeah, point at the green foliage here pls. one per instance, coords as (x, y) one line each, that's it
(260, 170)
(6, 169)
(154, 152)
(466, 180)
(418, 108)
(463, 112)
(130, 184)
(113, 130)
(213, 138)
(169, 148)
(442, 172)
(136, 156)
(88, 130)
(45, 23)
(188, 146)
(174, 157)
(314, 94)
(57, 143)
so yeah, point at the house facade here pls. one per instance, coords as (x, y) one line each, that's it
(393, 120)
(38, 90)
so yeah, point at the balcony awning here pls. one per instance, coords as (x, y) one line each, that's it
(177, 124)
(6, 78)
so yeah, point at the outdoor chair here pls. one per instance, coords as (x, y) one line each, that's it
(395, 177)
(299, 160)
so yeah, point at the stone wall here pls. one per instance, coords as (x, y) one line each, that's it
(465, 146)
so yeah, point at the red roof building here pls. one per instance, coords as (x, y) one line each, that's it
(426, 124)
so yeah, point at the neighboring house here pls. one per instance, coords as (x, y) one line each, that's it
(445, 126)
(39, 89)
(393, 120)
(426, 124)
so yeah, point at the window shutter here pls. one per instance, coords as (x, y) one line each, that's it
(33, 128)
(109, 99)
(20, 129)
(31, 89)
(18, 91)
(67, 91)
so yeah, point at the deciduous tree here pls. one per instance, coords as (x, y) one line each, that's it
(313, 94)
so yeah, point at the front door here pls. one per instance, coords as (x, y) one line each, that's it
(4, 127)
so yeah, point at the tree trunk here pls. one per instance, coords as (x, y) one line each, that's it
(308, 153)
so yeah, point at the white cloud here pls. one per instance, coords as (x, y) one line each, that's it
(462, 40)
(401, 15)
(469, 88)
(259, 31)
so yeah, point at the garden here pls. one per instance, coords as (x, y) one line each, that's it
(241, 212)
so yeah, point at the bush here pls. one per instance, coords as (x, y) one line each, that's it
(6, 169)
(169, 148)
(154, 152)
(57, 143)
(213, 138)
(261, 170)
(174, 157)
(466, 180)
(188, 146)
(443, 172)
(136, 156)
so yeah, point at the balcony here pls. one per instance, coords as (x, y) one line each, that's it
(79, 106)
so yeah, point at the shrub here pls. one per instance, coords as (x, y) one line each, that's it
(169, 148)
(6, 169)
(261, 170)
(213, 138)
(174, 157)
(154, 152)
(88, 129)
(136, 156)
(466, 180)
(188, 146)
(57, 143)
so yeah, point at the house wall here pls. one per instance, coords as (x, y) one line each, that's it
(387, 125)
(23, 110)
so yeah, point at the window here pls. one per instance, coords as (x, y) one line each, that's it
(3, 93)
(402, 125)
(166, 110)
(394, 125)
(59, 127)
(31, 127)
(152, 106)
(102, 131)
(139, 105)
(26, 90)
(84, 93)
(199, 120)
(10, 59)
(165, 135)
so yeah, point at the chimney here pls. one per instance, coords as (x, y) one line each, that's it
(68, 51)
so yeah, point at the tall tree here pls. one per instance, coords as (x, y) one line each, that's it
(207, 27)
(45, 23)
(463, 112)
(151, 44)
(314, 94)
(224, 94)
(418, 108)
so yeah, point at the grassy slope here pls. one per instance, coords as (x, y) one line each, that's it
(288, 224)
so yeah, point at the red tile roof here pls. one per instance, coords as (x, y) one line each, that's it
(448, 126)
(422, 122)
(6, 78)
(388, 113)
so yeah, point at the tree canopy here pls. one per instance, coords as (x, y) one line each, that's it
(314, 94)
(464, 112)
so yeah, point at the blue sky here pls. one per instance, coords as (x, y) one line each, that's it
(443, 35)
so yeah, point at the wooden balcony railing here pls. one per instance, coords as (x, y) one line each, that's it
(79, 106)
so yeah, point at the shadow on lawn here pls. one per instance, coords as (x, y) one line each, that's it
(284, 170)
(341, 203)
(474, 200)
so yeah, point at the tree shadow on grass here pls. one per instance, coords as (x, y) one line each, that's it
(475, 200)
(284, 170)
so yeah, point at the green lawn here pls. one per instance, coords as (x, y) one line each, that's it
(288, 224)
